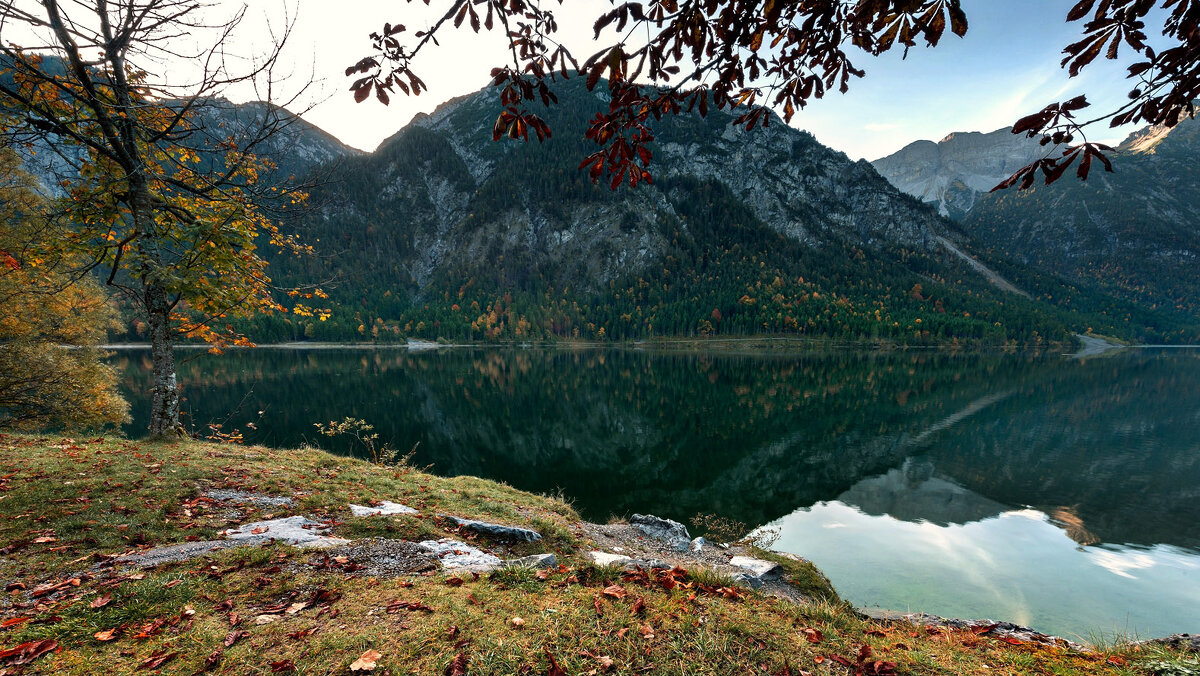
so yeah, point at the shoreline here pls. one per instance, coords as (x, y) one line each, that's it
(232, 554)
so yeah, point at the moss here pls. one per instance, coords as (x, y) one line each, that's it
(803, 575)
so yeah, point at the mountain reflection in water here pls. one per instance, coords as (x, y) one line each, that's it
(1099, 452)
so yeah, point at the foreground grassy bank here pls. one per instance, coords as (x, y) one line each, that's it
(67, 506)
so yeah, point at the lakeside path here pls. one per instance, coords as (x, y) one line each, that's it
(80, 516)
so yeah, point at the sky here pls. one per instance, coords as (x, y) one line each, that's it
(1006, 67)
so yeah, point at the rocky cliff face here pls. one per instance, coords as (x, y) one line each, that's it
(1132, 233)
(953, 172)
(442, 232)
(453, 200)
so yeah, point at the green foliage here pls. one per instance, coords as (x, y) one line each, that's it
(464, 269)
(51, 373)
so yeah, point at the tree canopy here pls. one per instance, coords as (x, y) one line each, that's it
(154, 192)
(51, 373)
(662, 57)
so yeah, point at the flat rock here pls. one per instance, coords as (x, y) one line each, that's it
(384, 508)
(175, 553)
(243, 496)
(699, 544)
(385, 557)
(536, 561)
(293, 530)
(606, 559)
(758, 568)
(455, 555)
(495, 530)
(671, 532)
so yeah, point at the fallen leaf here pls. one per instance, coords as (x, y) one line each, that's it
(213, 659)
(303, 633)
(27, 652)
(101, 601)
(296, 607)
(282, 666)
(517, 622)
(13, 621)
(616, 591)
(555, 669)
(173, 583)
(259, 531)
(812, 635)
(639, 605)
(107, 634)
(234, 636)
(366, 661)
(412, 606)
(647, 631)
(157, 660)
(454, 581)
(457, 666)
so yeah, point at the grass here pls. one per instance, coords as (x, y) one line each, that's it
(66, 504)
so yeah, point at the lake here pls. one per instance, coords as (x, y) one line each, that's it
(1059, 493)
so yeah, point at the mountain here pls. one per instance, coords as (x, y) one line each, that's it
(1133, 234)
(955, 171)
(442, 233)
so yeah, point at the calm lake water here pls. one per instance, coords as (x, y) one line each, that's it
(1058, 493)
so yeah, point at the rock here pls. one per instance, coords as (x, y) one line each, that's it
(455, 555)
(385, 508)
(495, 530)
(758, 568)
(1185, 641)
(387, 558)
(294, 530)
(647, 564)
(175, 553)
(242, 496)
(535, 561)
(671, 532)
(748, 579)
(606, 559)
(699, 544)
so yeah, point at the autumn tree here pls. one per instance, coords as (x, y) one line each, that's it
(153, 192)
(51, 372)
(662, 57)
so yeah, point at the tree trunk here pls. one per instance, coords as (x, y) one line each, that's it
(164, 411)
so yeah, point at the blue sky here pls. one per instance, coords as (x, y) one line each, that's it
(1006, 67)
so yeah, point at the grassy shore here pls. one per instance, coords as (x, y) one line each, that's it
(68, 505)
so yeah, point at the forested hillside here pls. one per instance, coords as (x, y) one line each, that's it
(442, 233)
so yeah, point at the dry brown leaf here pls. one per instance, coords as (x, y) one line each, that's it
(616, 591)
(366, 661)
